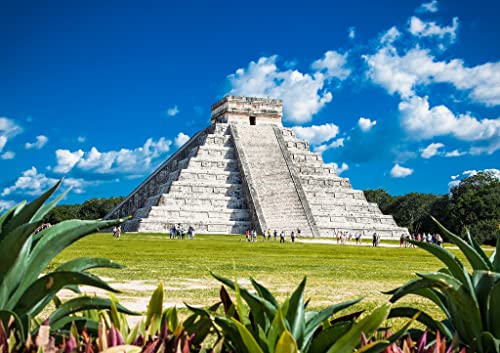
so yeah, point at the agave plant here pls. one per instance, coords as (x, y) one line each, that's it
(268, 327)
(26, 287)
(469, 300)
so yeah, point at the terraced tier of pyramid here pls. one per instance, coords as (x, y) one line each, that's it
(247, 171)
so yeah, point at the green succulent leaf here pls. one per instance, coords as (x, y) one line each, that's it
(46, 208)
(264, 292)
(494, 311)
(496, 257)
(55, 239)
(27, 212)
(328, 336)
(15, 274)
(87, 263)
(475, 259)
(276, 329)
(313, 324)
(45, 288)
(155, 306)
(286, 344)
(7, 315)
(295, 314)
(374, 347)
(85, 303)
(247, 337)
(367, 325)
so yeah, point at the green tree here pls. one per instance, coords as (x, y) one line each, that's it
(95, 208)
(475, 204)
(381, 198)
(412, 210)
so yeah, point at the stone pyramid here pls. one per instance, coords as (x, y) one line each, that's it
(247, 171)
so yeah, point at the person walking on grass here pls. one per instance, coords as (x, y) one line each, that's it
(118, 232)
(292, 236)
(275, 233)
(282, 237)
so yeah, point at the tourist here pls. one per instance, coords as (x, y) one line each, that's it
(402, 240)
(247, 234)
(275, 233)
(374, 239)
(298, 232)
(118, 232)
(282, 237)
(292, 236)
(358, 238)
(114, 231)
(268, 234)
(254, 235)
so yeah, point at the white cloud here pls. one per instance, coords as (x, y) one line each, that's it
(421, 122)
(365, 124)
(125, 161)
(454, 153)
(338, 169)
(181, 139)
(41, 141)
(400, 172)
(325, 147)
(390, 36)
(81, 139)
(6, 204)
(66, 160)
(33, 183)
(303, 94)
(316, 134)
(333, 65)
(431, 6)
(431, 150)
(173, 111)
(417, 67)
(8, 155)
(8, 129)
(421, 28)
(351, 32)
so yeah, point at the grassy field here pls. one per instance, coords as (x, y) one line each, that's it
(334, 273)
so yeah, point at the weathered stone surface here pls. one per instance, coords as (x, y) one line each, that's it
(247, 171)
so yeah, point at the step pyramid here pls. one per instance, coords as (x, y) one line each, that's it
(247, 171)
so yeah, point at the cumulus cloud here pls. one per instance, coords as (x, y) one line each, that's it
(390, 36)
(400, 172)
(431, 150)
(431, 6)
(8, 129)
(33, 183)
(180, 139)
(41, 141)
(303, 94)
(124, 161)
(420, 28)
(8, 155)
(316, 134)
(333, 65)
(173, 111)
(421, 122)
(81, 139)
(66, 160)
(365, 124)
(402, 74)
(327, 146)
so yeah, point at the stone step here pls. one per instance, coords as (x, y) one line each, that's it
(215, 176)
(214, 164)
(195, 188)
(163, 213)
(220, 227)
(216, 152)
(217, 200)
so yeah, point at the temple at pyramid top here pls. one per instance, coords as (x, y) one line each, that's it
(246, 171)
(247, 111)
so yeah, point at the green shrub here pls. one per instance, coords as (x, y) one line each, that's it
(25, 286)
(470, 301)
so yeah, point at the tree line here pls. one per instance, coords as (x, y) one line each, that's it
(473, 204)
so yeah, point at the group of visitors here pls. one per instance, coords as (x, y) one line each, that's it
(425, 237)
(251, 235)
(344, 236)
(117, 231)
(179, 232)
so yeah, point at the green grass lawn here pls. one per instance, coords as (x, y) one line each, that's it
(334, 273)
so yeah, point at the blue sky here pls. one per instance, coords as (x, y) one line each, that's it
(402, 95)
